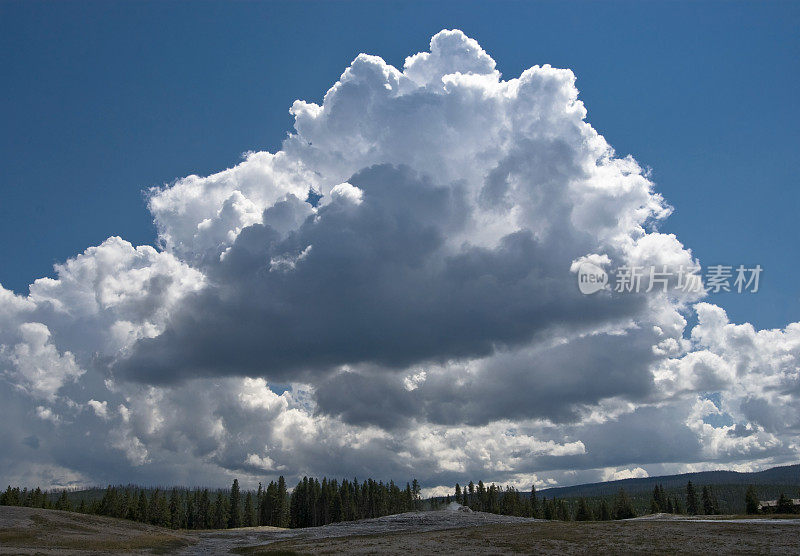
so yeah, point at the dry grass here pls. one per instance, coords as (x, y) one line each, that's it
(33, 530)
(630, 537)
(16, 536)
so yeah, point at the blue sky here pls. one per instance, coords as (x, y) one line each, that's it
(102, 100)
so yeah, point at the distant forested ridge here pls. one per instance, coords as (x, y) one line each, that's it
(730, 487)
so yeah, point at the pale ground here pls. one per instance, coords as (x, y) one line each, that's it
(36, 531)
(33, 531)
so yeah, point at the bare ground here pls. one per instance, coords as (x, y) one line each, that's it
(555, 537)
(33, 531)
(37, 531)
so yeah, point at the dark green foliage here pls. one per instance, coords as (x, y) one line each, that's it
(63, 502)
(143, 507)
(784, 505)
(659, 502)
(159, 510)
(273, 503)
(710, 504)
(536, 510)
(177, 510)
(751, 500)
(692, 508)
(623, 508)
(204, 515)
(11, 497)
(583, 512)
(249, 516)
(220, 513)
(316, 503)
(605, 511)
(109, 505)
(729, 487)
(235, 512)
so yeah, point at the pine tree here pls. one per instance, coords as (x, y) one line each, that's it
(265, 505)
(205, 516)
(583, 513)
(481, 493)
(159, 510)
(259, 496)
(562, 512)
(63, 502)
(191, 509)
(784, 505)
(458, 494)
(710, 504)
(605, 511)
(143, 508)
(623, 508)
(535, 509)
(5, 498)
(175, 510)
(751, 500)
(221, 514)
(547, 508)
(691, 500)
(492, 499)
(235, 519)
(655, 506)
(249, 511)
(108, 505)
(714, 501)
(282, 507)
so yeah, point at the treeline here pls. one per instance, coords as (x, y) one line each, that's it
(314, 503)
(783, 504)
(310, 504)
(509, 501)
(176, 508)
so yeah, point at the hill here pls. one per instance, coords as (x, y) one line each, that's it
(787, 476)
(729, 487)
(34, 530)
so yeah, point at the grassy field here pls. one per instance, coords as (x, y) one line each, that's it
(36, 531)
(629, 537)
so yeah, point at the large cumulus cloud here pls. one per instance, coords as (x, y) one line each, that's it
(392, 294)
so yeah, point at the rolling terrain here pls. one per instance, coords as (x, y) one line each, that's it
(37, 531)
